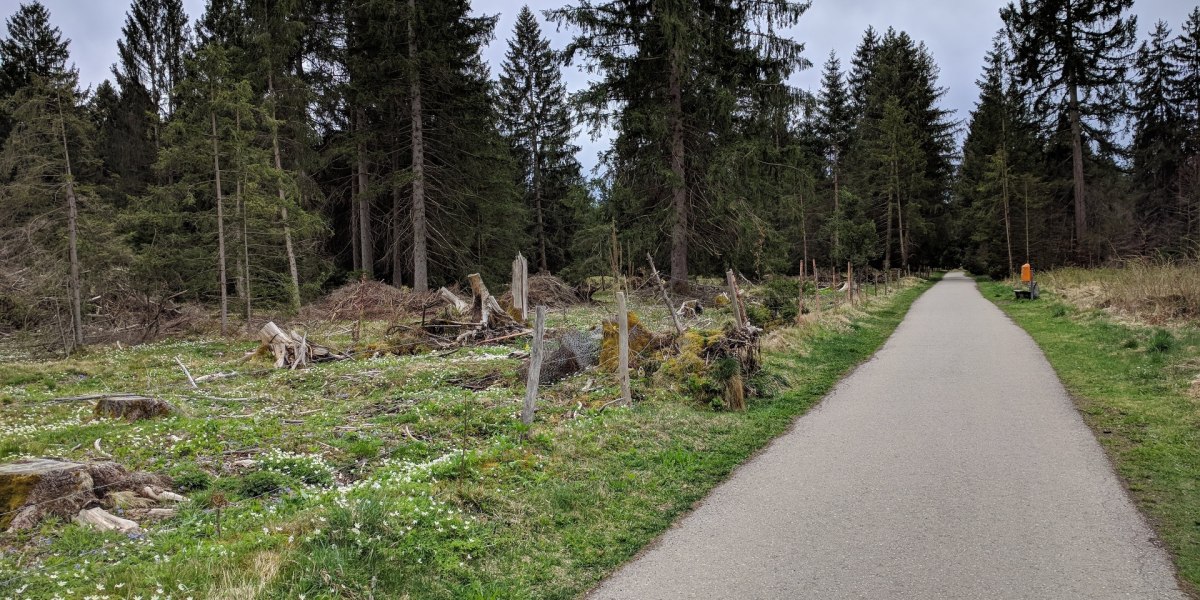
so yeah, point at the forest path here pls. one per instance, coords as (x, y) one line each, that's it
(951, 465)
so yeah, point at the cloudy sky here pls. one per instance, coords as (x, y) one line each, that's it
(958, 32)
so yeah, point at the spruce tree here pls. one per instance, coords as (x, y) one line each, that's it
(835, 120)
(675, 73)
(32, 48)
(536, 120)
(1074, 55)
(41, 155)
(1158, 138)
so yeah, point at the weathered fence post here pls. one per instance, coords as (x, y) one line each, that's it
(739, 318)
(816, 287)
(800, 305)
(623, 348)
(520, 286)
(850, 283)
(535, 366)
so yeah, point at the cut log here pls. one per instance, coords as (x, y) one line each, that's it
(102, 520)
(460, 306)
(132, 408)
(36, 488)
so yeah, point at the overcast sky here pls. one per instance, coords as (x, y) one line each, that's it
(958, 33)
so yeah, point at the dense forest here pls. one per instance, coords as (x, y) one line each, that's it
(274, 149)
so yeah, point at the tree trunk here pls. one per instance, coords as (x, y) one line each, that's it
(679, 192)
(887, 244)
(397, 246)
(247, 288)
(1007, 222)
(294, 295)
(837, 203)
(365, 239)
(72, 236)
(419, 225)
(900, 232)
(355, 242)
(1081, 229)
(223, 282)
(537, 203)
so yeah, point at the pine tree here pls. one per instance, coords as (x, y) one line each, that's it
(1074, 55)
(536, 120)
(862, 65)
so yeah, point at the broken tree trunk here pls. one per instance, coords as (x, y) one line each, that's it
(520, 286)
(460, 306)
(485, 310)
(291, 349)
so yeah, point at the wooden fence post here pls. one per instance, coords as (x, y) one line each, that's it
(623, 348)
(535, 366)
(816, 287)
(850, 283)
(803, 280)
(520, 286)
(739, 317)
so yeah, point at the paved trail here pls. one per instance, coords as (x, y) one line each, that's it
(952, 465)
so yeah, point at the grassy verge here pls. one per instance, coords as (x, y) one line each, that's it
(1137, 388)
(388, 476)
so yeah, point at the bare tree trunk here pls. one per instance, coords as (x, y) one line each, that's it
(355, 242)
(900, 232)
(72, 236)
(420, 227)
(220, 227)
(887, 244)
(247, 288)
(1081, 228)
(679, 193)
(537, 203)
(365, 238)
(397, 229)
(283, 212)
(837, 204)
(1007, 221)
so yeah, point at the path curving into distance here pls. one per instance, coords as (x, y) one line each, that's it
(951, 465)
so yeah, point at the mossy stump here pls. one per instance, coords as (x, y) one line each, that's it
(35, 488)
(132, 408)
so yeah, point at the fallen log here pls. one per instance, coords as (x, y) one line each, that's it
(485, 309)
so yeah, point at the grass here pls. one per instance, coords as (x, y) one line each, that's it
(1138, 387)
(1146, 292)
(380, 477)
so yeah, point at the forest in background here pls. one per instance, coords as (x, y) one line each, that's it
(274, 149)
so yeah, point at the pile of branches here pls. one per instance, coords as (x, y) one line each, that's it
(550, 291)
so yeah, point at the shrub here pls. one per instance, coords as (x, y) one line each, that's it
(1161, 342)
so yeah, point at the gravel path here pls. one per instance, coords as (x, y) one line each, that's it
(951, 465)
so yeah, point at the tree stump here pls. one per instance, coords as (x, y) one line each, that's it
(35, 488)
(131, 408)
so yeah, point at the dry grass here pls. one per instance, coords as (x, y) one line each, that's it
(245, 584)
(1153, 293)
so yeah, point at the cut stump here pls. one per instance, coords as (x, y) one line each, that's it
(131, 408)
(36, 488)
